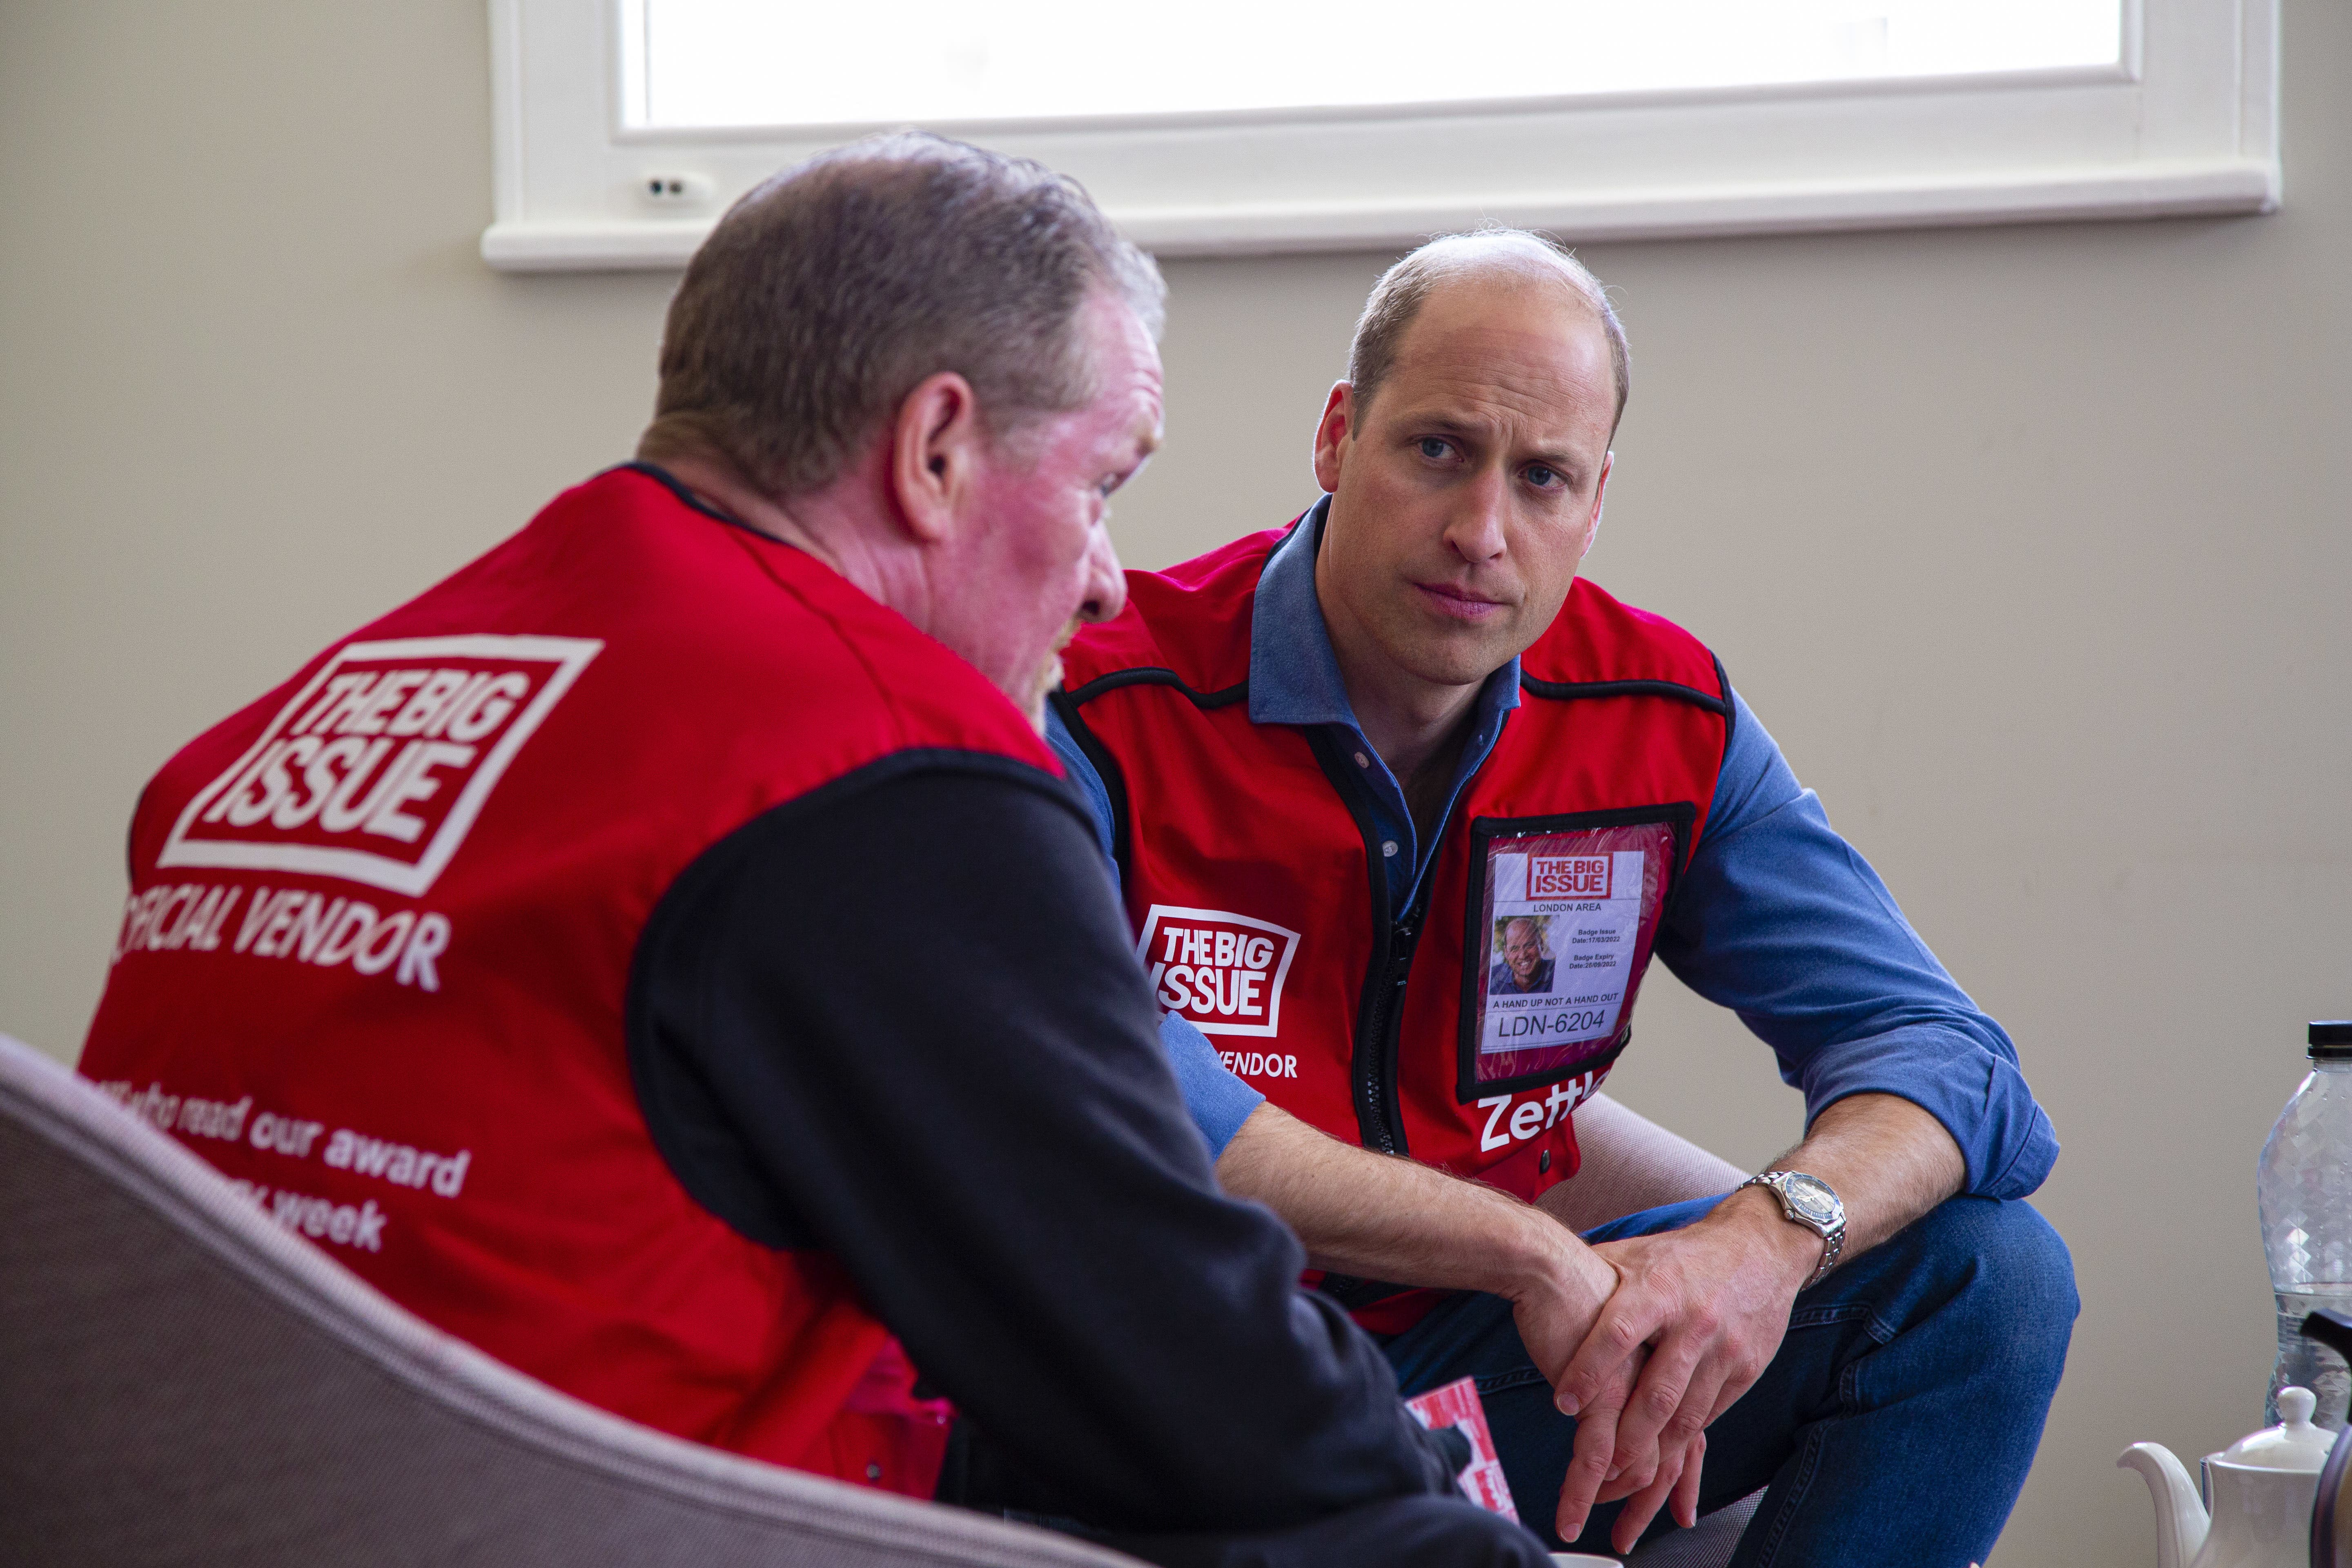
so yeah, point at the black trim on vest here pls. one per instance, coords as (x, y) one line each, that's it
(1354, 1294)
(692, 502)
(1730, 710)
(1067, 702)
(1468, 1090)
(1372, 1064)
(672, 1094)
(1380, 1013)
(1730, 721)
(1158, 674)
(1573, 690)
(1153, 675)
(1106, 768)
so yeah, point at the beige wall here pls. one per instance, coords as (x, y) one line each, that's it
(2028, 543)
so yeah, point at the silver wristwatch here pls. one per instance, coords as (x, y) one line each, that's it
(1813, 1203)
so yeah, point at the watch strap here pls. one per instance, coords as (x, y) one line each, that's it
(1833, 1236)
(1834, 1243)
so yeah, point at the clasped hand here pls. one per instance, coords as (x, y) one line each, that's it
(1694, 1318)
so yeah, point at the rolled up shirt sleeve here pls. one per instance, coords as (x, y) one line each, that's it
(1781, 921)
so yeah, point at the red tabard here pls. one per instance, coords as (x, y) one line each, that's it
(375, 957)
(1261, 911)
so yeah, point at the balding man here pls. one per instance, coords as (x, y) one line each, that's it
(1525, 966)
(548, 924)
(1402, 808)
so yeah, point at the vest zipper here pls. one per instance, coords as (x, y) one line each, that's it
(1380, 1031)
(1379, 1008)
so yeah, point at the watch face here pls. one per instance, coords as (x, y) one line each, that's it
(1812, 1199)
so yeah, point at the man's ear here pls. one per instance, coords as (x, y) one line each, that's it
(1599, 493)
(1331, 436)
(936, 445)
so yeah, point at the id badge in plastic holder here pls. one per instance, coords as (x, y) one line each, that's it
(1562, 915)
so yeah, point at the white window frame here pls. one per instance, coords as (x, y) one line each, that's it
(2186, 123)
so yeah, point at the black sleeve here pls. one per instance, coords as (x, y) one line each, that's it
(899, 1020)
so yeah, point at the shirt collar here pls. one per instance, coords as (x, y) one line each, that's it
(1294, 676)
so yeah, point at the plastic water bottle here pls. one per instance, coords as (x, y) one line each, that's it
(2305, 1189)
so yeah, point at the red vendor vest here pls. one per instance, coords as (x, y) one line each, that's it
(1462, 1031)
(376, 955)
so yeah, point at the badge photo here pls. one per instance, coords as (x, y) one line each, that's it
(1561, 914)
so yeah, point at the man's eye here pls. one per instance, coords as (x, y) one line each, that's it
(1543, 478)
(1434, 448)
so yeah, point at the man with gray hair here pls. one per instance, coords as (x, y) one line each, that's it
(582, 871)
(1401, 738)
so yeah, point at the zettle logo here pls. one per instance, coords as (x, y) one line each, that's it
(377, 768)
(1223, 972)
(1567, 876)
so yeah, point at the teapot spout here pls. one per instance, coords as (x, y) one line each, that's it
(2180, 1519)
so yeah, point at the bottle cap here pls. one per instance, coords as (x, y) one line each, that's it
(2330, 1037)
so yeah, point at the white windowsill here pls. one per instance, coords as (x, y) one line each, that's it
(2186, 125)
(2219, 188)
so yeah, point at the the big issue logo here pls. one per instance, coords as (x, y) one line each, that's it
(379, 765)
(1223, 972)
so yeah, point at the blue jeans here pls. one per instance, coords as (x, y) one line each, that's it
(1896, 1424)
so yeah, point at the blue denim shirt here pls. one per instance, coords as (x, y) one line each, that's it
(1778, 919)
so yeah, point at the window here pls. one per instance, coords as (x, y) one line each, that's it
(625, 126)
(739, 65)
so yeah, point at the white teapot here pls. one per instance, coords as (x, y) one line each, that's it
(2263, 1486)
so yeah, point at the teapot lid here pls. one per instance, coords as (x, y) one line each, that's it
(2294, 1444)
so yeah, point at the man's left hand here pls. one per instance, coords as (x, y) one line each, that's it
(1709, 1304)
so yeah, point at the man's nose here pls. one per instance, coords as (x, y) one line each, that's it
(1475, 528)
(1106, 583)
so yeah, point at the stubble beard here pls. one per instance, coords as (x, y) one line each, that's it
(1041, 685)
(1047, 677)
